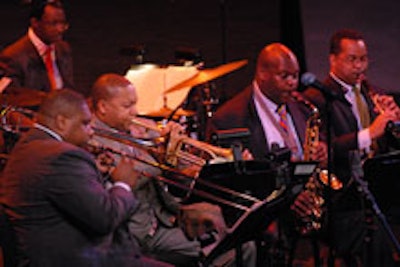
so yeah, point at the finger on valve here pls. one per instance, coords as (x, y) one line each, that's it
(144, 128)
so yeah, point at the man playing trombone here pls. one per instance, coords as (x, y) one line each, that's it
(154, 223)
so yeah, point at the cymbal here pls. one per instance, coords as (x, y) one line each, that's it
(206, 75)
(165, 112)
(23, 97)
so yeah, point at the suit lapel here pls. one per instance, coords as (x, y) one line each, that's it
(341, 110)
(259, 143)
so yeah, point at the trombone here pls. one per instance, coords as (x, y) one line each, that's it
(191, 184)
(181, 180)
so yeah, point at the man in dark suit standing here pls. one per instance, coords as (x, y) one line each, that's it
(357, 131)
(41, 60)
(55, 198)
(258, 107)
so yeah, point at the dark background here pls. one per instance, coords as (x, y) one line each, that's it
(223, 30)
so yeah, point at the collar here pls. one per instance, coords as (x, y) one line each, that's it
(40, 46)
(97, 123)
(346, 87)
(48, 130)
(272, 106)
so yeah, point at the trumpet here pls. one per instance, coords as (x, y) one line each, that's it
(182, 149)
(381, 103)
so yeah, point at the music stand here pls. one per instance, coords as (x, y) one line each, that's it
(256, 220)
(247, 227)
(381, 172)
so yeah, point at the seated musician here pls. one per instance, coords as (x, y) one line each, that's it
(267, 109)
(154, 223)
(60, 214)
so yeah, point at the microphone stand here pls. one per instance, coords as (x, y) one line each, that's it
(363, 187)
(329, 213)
(329, 96)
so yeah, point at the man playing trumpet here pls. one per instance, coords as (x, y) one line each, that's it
(154, 223)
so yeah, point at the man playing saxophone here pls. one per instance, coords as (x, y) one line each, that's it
(267, 109)
(154, 223)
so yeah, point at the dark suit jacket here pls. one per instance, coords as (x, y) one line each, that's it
(240, 112)
(59, 210)
(24, 65)
(343, 122)
(344, 131)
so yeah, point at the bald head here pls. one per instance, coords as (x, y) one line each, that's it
(273, 55)
(277, 72)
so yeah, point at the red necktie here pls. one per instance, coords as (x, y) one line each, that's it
(50, 68)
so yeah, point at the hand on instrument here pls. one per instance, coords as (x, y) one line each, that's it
(142, 132)
(105, 162)
(172, 128)
(200, 218)
(124, 172)
(319, 152)
(378, 126)
(246, 155)
(307, 204)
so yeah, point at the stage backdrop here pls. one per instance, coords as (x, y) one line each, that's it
(223, 31)
(378, 20)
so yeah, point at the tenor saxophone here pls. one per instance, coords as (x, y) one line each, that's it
(319, 180)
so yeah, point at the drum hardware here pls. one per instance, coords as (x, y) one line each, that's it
(22, 97)
(165, 112)
(14, 121)
(137, 51)
(206, 75)
(205, 102)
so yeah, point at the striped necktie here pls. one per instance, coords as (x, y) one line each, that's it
(283, 121)
(48, 61)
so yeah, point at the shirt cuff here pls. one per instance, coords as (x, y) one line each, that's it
(364, 139)
(123, 185)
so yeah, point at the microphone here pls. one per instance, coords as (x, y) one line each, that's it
(309, 79)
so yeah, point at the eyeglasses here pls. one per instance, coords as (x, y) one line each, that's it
(355, 59)
(55, 23)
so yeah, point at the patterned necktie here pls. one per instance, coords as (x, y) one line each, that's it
(283, 122)
(362, 108)
(48, 61)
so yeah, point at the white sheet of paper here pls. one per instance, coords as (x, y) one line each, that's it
(151, 81)
(4, 82)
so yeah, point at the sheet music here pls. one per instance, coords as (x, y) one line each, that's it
(4, 82)
(151, 81)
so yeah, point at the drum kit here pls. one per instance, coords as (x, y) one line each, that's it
(175, 87)
(16, 115)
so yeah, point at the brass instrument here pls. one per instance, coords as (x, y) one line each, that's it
(182, 180)
(317, 182)
(182, 149)
(392, 127)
